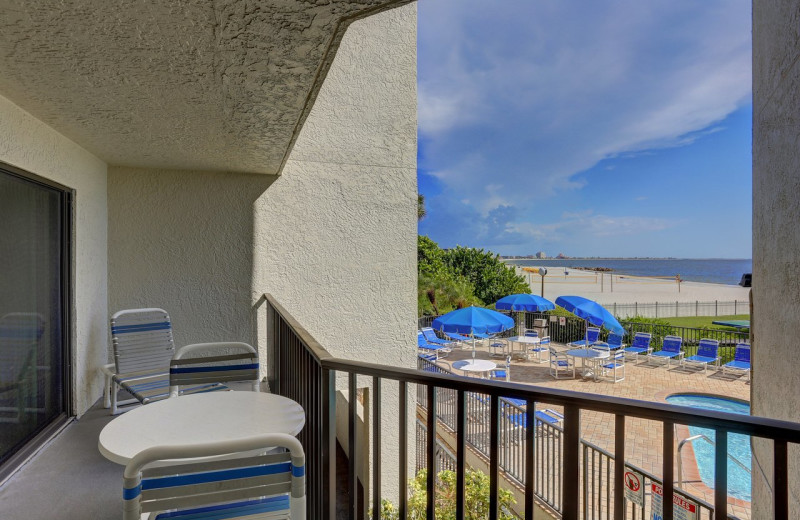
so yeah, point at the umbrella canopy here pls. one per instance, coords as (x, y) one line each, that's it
(590, 311)
(524, 302)
(471, 320)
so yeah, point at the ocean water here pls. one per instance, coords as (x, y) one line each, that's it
(711, 270)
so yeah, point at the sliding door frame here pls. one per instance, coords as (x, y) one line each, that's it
(67, 252)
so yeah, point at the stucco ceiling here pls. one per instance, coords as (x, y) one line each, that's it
(220, 85)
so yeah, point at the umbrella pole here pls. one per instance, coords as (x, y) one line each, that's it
(473, 346)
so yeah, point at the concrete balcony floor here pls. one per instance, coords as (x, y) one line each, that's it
(67, 479)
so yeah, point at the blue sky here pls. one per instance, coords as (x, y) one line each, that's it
(613, 128)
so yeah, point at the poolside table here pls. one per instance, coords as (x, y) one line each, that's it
(478, 366)
(524, 341)
(199, 419)
(589, 358)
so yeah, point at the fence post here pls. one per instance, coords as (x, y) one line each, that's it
(734, 306)
(636, 308)
(656, 309)
(676, 309)
(716, 308)
(696, 308)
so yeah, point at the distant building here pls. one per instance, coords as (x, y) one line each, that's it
(561, 256)
(541, 254)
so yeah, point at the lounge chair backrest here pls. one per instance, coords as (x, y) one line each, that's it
(642, 340)
(421, 341)
(142, 340)
(205, 363)
(708, 348)
(614, 340)
(742, 353)
(166, 478)
(20, 333)
(428, 333)
(592, 333)
(672, 344)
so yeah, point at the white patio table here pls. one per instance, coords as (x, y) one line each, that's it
(588, 356)
(478, 366)
(524, 341)
(198, 419)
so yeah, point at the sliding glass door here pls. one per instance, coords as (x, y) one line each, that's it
(34, 285)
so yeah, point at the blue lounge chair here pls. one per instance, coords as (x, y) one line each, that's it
(431, 348)
(591, 337)
(614, 342)
(430, 337)
(707, 353)
(741, 360)
(671, 348)
(641, 345)
(541, 348)
(550, 417)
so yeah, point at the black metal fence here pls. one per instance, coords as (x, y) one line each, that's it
(304, 371)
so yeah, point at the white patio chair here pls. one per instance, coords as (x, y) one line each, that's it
(559, 363)
(204, 367)
(143, 347)
(241, 485)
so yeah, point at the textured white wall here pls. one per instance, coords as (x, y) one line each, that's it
(29, 144)
(776, 234)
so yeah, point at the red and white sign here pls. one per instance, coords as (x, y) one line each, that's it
(683, 509)
(634, 487)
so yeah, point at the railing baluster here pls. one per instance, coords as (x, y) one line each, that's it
(403, 411)
(494, 467)
(721, 475)
(619, 467)
(530, 430)
(376, 448)
(329, 443)
(571, 473)
(461, 460)
(431, 451)
(352, 506)
(780, 483)
(668, 472)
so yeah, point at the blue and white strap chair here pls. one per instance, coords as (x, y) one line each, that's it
(560, 363)
(540, 349)
(613, 342)
(20, 333)
(434, 349)
(641, 345)
(431, 337)
(503, 373)
(531, 333)
(143, 347)
(614, 368)
(244, 484)
(741, 360)
(498, 347)
(591, 337)
(204, 367)
(670, 348)
(707, 353)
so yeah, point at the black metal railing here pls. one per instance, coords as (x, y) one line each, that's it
(305, 372)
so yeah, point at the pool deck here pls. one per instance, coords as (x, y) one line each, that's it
(644, 382)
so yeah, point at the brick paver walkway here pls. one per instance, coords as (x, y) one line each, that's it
(643, 382)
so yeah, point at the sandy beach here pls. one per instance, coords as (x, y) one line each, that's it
(608, 288)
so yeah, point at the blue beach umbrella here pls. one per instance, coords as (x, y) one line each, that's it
(591, 311)
(473, 320)
(524, 302)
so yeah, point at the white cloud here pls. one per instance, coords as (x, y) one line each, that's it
(524, 95)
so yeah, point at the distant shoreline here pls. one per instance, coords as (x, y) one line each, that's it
(582, 258)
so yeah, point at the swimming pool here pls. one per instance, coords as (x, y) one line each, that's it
(738, 445)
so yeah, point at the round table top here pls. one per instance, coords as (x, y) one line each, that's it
(197, 419)
(588, 353)
(525, 339)
(478, 365)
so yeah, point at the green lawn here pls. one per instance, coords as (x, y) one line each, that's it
(705, 321)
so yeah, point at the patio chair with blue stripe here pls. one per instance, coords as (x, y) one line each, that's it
(707, 353)
(615, 367)
(143, 347)
(670, 348)
(431, 337)
(641, 345)
(741, 360)
(560, 363)
(540, 349)
(205, 367)
(244, 484)
(591, 337)
(613, 342)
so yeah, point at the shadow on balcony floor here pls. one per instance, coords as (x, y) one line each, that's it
(68, 479)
